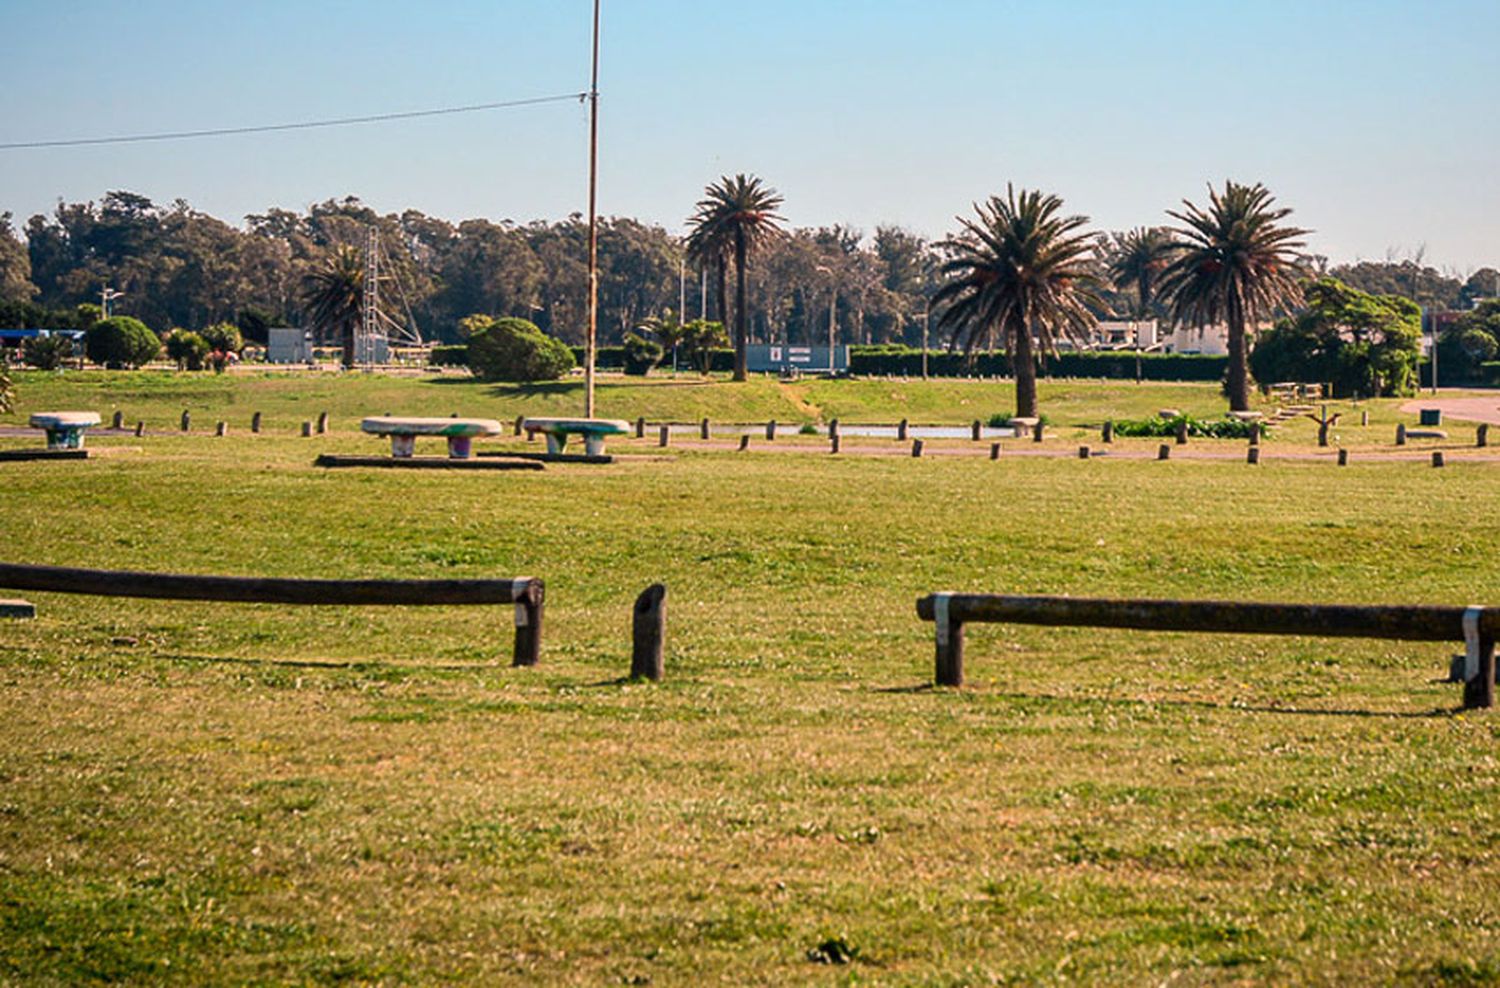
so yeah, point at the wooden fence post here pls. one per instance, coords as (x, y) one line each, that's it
(323, 422)
(1084, 452)
(1036, 433)
(1252, 455)
(1255, 431)
(833, 429)
(916, 448)
(187, 420)
(744, 442)
(255, 422)
(1107, 434)
(949, 635)
(901, 428)
(974, 430)
(221, 429)
(994, 451)
(1364, 417)
(140, 429)
(771, 430)
(833, 443)
(703, 429)
(1401, 434)
(1163, 452)
(1482, 437)
(306, 429)
(1479, 662)
(529, 599)
(648, 633)
(1182, 432)
(640, 427)
(519, 420)
(1343, 457)
(118, 421)
(1437, 457)
(663, 436)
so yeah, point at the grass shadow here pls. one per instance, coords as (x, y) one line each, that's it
(315, 663)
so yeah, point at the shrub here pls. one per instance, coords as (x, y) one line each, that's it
(47, 352)
(641, 355)
(895, 358)
(513, 349)
(224, 337)
(449, 356)
(1002, 419)
(187, 348)
(121, 341)
(1225, 428)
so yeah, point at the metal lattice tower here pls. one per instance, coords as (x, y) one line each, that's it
(370, 329)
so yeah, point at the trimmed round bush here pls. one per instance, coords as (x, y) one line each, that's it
(121, 341)
(641, 355)
(187, 348)
(516, 350)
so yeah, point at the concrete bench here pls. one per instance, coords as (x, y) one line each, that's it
(593, 432)
(404, 432)
(64, 429)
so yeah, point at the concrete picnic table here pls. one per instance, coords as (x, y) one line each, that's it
(593, 432)
(64, 429)
(404, 432)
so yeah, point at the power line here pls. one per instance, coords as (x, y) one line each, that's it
(305, 125)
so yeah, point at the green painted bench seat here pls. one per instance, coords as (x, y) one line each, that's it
(404, 432)
(64, 429)
(593, 432)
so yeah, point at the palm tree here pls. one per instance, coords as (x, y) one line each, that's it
(1136, 260)
(332, 297)
(1021, 269)
(735, 214)
(1236, 265)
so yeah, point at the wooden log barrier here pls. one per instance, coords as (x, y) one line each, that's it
(525, 592)
(648, 634)
(1476, 627)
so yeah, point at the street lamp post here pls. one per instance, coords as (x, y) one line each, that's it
(833, 297)
(108, 296)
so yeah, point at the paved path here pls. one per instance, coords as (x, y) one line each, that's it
(1485, 408)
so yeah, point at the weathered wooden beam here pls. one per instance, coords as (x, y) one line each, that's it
(1410, 622)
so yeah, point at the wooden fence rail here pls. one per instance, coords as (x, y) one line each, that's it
(1477, 627)
(525, 592)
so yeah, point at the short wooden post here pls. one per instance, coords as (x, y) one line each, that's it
(648, 633)
(703, 429)
(306, 429)
(221, 429)
(1364, 417)
(1343, 457)
(1255, 431)
(187, 420)
(833, 443)
(255, 422)
(519, 420)
(744, 442)
(1482, 437)
(1163, 452)
(140, 429)
(1252, 455)
(1083, 452)
(994, 451)
(833, 429)
(323, 422)
(916, 448)
(1182, 432)
(528, 646)
(950, 644)
(901, 428)
(1107, 434)
(974, 430)
(1401, 434)
(1036, 433)
(1479, 662)
(1437, 457)
(771, 430)
(118, 421)
(640, 427)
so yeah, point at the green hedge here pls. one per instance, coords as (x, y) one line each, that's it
(898, 359)
(613, 358)
(449, 356)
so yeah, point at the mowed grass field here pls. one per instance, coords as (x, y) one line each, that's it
(201, 793)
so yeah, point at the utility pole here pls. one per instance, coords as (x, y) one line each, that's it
(926, 315)
(589, 344)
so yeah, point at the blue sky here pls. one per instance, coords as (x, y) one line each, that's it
(1376, 121)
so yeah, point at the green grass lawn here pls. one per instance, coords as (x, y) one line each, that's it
(198, 793)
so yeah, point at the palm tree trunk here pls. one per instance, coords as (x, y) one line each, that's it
(347, 357)
(1024, 366)
(739, 306)
(1238, 383)
(722, 272)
